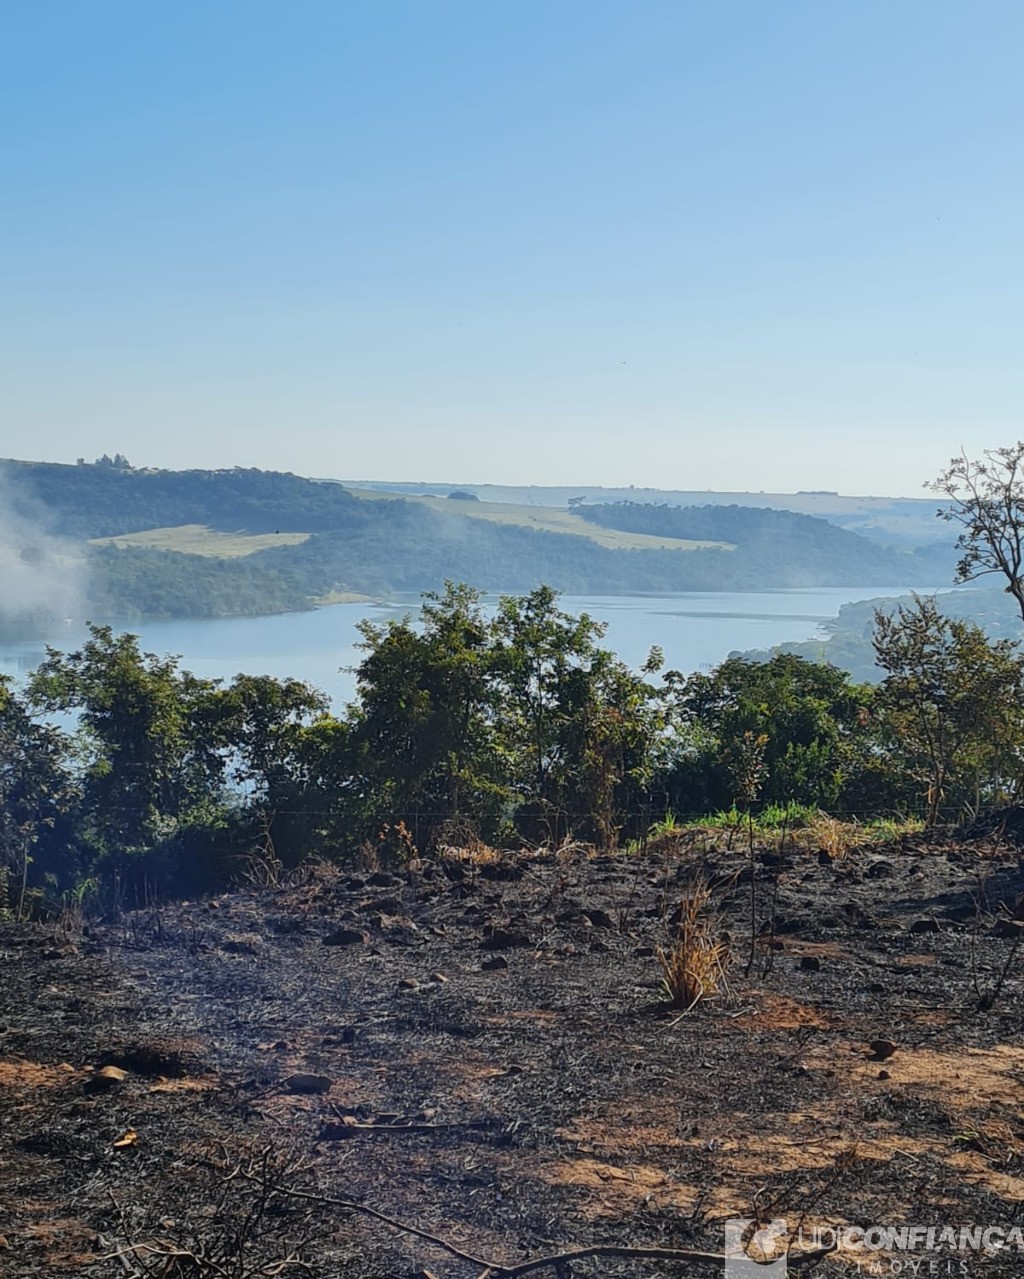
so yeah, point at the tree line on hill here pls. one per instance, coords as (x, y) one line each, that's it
(848, 641)
(382, 547)
(765, 538)
(519, 727)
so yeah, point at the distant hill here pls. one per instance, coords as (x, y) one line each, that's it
(218, 543)
(846, 642)
(768, 543)
(902, 522)
(91, 501)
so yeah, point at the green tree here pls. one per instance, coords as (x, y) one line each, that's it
(145, 771)
(256, 723)
(37, 802)
(986, 499)
(422, 733)
(579, 728)
(254, 728)
(950, 704)
(812, 719)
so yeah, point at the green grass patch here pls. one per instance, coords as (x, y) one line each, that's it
(548, 519)
(801, 825)
(198, 539)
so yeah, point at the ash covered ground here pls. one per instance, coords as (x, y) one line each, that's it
(482, 1050)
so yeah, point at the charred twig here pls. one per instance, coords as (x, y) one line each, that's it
(353, 1205)
(841, 1164)
(558, 1260)
(229, 1245)
(338, 1132)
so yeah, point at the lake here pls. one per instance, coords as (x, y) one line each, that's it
(695, 629)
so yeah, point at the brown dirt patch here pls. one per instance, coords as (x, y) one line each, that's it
(183, 1085)
(611, 1190)
(819, 949)
(32, 1074)
(962, 1081)
(779, 1012)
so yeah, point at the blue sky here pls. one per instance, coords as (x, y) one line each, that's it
(751, 245)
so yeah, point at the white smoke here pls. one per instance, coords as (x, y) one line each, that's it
(43, 578)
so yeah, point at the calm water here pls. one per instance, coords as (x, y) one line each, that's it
(695, 630)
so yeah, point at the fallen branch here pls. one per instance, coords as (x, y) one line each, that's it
(224, 1249)
(555, 1260)
(559, 1260)
(352, 1205)
(338, 1132)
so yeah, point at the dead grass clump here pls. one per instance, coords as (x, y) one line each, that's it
(317, 872)
(395, 846)
(473, 853)
(572, 850)
(693, 965)
(832, 836)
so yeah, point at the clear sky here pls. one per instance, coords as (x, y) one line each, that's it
(764, 244)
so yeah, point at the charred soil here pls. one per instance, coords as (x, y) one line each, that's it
(482, 1050)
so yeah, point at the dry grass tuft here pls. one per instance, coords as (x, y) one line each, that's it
(833, 836)
(473, 853)
(693, 965)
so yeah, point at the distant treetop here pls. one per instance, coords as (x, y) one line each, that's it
(116, 463)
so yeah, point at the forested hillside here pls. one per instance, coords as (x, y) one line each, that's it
(848, 641)
(97, 500)
(388, 546)
(765, 539)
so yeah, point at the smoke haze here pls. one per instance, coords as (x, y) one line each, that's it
(43, 578)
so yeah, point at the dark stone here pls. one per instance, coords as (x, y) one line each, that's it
(925, 926)
(501, 872)
(387, 905)
(810, 964)
(308, 1085)
(601, 919)
(347, 937)
(505, 939)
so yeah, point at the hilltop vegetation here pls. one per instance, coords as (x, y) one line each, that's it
(765, 539)
(848, 642)
(551, 519)
(95, 500)
(317, 541)
(905, 522)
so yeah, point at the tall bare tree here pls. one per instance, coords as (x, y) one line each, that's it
(986, 498)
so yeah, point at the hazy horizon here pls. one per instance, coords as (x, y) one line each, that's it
(445, 485)
(700, 246)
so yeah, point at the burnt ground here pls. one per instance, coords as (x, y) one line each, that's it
(494, 1063)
